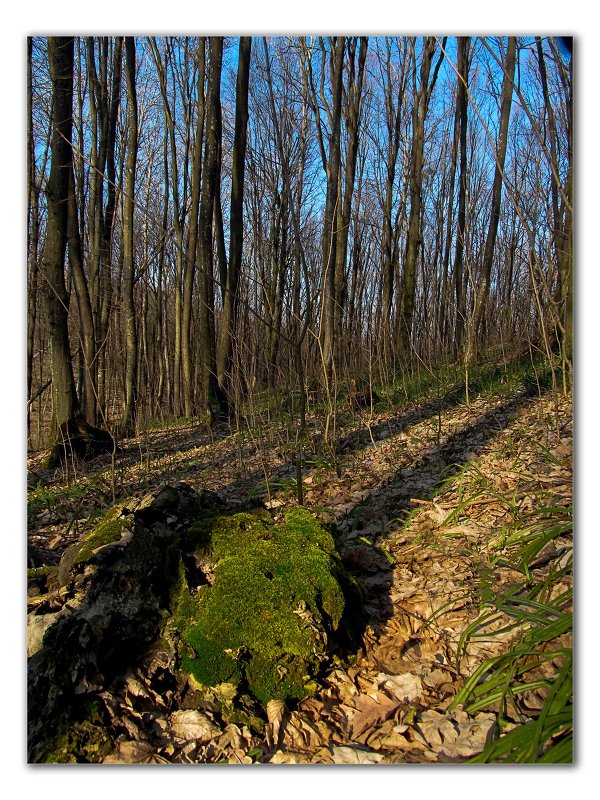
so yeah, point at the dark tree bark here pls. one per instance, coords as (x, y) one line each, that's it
(192, 241)
(483, 289)
(422, 96)
(72, 434)
(127, 427)
(213, 397)
(230, 287)
(84, 307)
(562, 203)
(352, 115)
(461, 121)
(330, 237)
(33, 225)
(393, 118)
(104, 108)
(178, 218)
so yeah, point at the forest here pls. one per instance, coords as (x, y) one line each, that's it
(299, 418)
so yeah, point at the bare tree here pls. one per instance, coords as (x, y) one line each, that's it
(127, 426)
(483, 288)
(214, 399)
(72, 433)
(422, 96)
(192, 239)
(230, 288)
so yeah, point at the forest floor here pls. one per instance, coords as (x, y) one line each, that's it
(427, 500)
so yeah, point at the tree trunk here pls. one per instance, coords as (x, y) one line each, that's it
(329, 257)
(461, 119)
(483, 289)
(33, 226)
(192, 241)
(562, 208)
(72, 434)
(352, 113)
(393, 123)
(413, 239)
(84, 307)
(230, 293)
(127, 427)
(213, 398)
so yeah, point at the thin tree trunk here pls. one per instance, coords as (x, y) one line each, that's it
(329, 256)
(353, 118)
(72, 434)
(413, 240)
(459, 271)
(483, 289)
(562, 211)
(33, 224)
(192, 241)
(177, 223)
(213, 398)
(127, 427)
(84, 307)
(231, 291)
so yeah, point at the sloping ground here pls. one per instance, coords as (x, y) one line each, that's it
(437, 548)
(393, 704)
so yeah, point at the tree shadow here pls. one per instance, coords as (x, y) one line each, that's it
(422, 481)
(120, 641)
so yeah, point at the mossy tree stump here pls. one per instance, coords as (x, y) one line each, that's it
(230, 597)
(268, 619)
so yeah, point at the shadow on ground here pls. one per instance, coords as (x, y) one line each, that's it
(422, 481)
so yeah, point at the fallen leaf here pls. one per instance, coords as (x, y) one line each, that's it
(370, 711)
(193, 726)
(239, 757)
(274, 503)
(437, 678)
(275, 713)
(131, 753)
(405, 687)
(301, 733)
(355, 755)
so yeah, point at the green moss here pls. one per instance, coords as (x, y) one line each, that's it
(109, 530)
(82, 740)
(37, 573)
(221, 534)
(274, 604)
(212, 665)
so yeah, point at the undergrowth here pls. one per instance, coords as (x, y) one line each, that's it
(62, 502)
(499, 379)
(530, 686)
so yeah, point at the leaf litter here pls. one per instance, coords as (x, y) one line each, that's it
(420, 550)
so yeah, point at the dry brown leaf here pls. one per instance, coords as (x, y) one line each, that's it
(455, 735)
(231, 737)
(274, 503)
(355, 755)
(276, 710)
(131, 753)
(287, 757)
(239, 757)
(283, 758)
(193, 726)
(370, 710)
(393, 737)
(437, 678)
(301, 733)
(404, 687)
